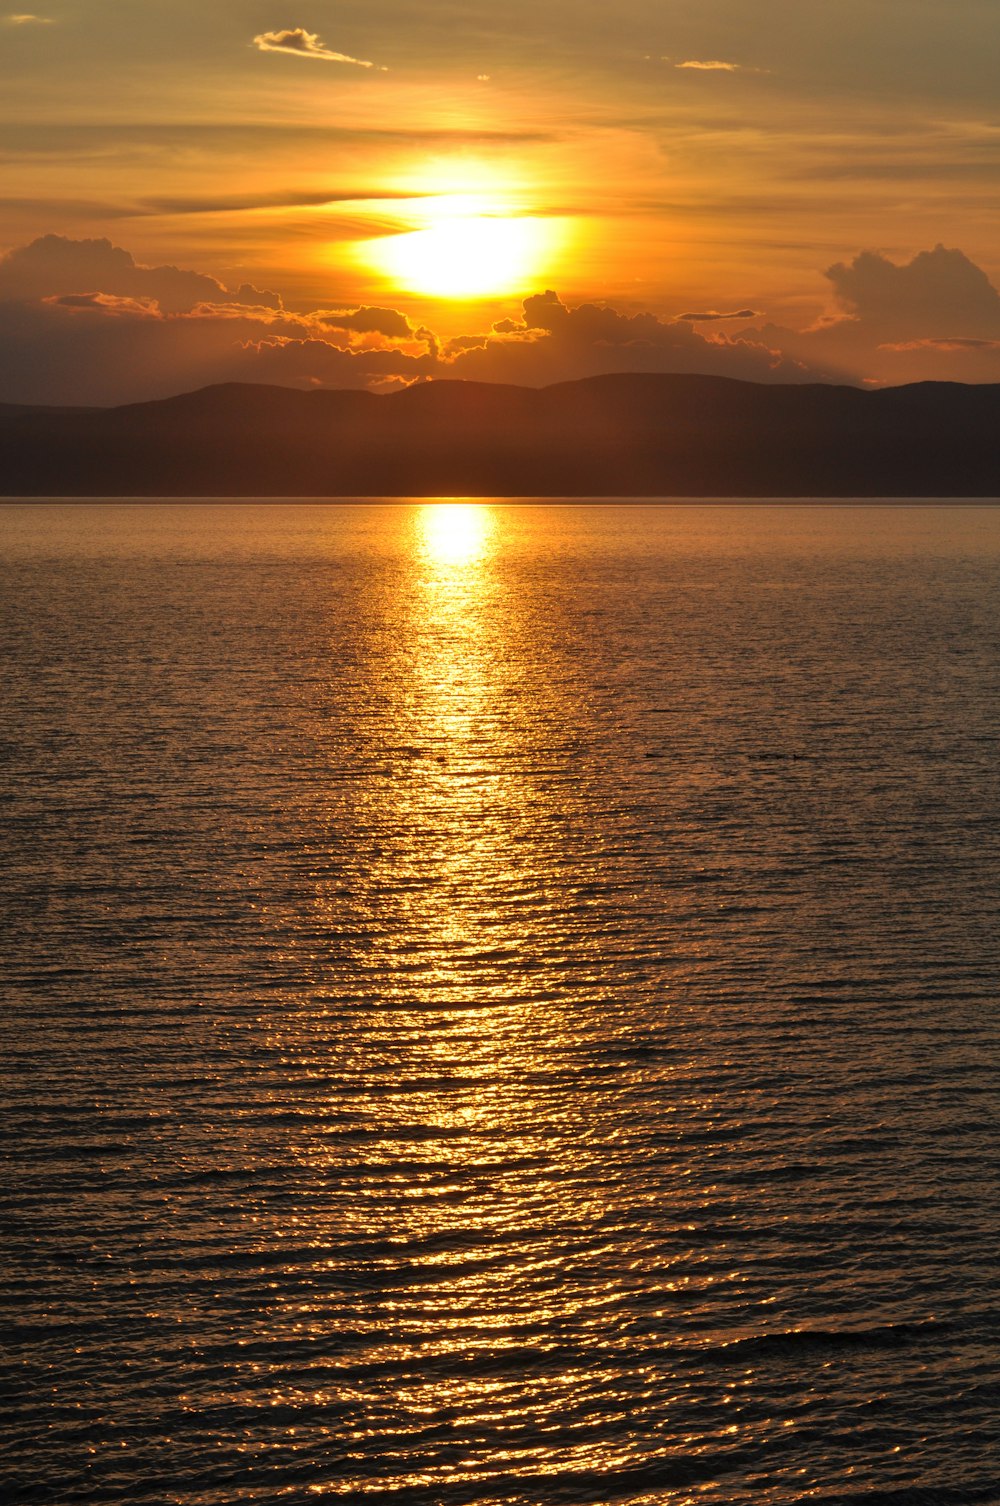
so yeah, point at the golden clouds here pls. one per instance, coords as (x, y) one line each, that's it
(305, 44)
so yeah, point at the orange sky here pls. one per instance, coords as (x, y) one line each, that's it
(448, 160)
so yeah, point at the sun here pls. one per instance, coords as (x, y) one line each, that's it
(466, 247)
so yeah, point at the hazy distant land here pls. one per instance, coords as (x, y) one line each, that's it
(619, 435)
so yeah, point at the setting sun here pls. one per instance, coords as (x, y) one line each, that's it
(466, 247)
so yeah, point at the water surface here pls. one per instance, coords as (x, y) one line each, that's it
(500, 1003)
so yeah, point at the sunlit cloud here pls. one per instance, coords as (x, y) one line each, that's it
(709, 315)
(710, 65)
(305, 44)
(557, 342)
(25, 18)
(954, 344)
(55, 265)
(84, 322)
(108, 304)
(368, 321)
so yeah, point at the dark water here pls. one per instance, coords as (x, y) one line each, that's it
(501, 1004)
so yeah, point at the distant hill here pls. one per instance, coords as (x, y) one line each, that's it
(620, 435)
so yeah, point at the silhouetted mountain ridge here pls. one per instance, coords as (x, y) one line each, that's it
(615, 435)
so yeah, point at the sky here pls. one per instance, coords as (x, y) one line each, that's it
(369, 194)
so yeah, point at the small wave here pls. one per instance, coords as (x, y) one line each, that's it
(793, 1342)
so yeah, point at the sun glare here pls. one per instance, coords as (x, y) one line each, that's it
(466, 247)
(454, 533)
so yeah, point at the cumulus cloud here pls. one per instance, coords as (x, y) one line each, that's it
(368, 321)
(935, 317)
(469, 342)
(82, 322)
(938, 293)
(54, 265)
(305, 44)
(97, 349)
(315, 362)
(553, 342)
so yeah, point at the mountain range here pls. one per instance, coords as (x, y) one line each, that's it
(643, 435)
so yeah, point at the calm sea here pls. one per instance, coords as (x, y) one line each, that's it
(500, 1004)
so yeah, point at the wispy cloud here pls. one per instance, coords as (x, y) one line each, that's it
(107, 303)
(65, 209)
(283, 199)
(709, 315)
(305, 44)
(85, 139)
(25, 18)
(709, 65)
(945, 344)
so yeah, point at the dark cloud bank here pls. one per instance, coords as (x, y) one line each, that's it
(82, 322)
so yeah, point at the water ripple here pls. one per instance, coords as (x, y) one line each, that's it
(500, 1005)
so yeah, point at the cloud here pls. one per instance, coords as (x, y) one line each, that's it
(938, 293)
(710, 65)
(107, 303)
(314, 362)
(935, 317)
(368, 321)
(553, 343)
(101, 350)
(54, 265)
(24, 18)
(63, 209)
(469, 342)
(943, 345)
(713, 314)
(242, 140)
(288, 198)
(304, 44)
(82, 322)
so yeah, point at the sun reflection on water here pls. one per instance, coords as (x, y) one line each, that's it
(492, 1092)
(455, 533)
(472, 1049)
(456, 657)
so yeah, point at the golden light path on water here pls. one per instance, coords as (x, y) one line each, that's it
(526, 1205)
(521, 1021)
(476, 1136)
